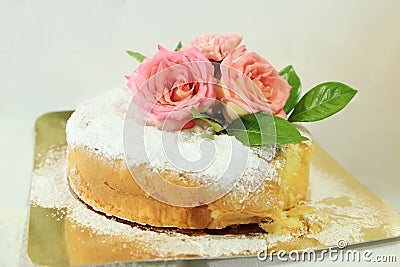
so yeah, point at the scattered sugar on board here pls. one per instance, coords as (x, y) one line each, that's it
(344, 220)
(50, 190)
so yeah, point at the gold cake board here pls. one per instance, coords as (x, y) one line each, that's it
(357, 215)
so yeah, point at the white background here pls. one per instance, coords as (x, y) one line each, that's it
(56, 54)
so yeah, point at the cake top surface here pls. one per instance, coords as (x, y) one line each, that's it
(98, 125)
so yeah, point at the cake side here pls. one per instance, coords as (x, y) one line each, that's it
(107, 186)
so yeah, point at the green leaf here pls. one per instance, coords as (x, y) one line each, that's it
(178, 46)
(136, 55)
(322, 101)
(287, 133)
(261, 129)
(197, 115)
(289, 74)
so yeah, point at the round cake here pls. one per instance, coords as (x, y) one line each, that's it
(273, 180)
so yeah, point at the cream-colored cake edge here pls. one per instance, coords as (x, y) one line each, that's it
(108, 186)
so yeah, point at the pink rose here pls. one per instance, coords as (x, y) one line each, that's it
(168, 84)
(250, 85)
(217, 46)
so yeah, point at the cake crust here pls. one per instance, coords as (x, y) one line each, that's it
(108, 186)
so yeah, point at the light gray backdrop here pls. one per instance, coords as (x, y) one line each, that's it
(55, 54)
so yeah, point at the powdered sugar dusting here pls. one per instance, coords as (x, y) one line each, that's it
(351, 212)
(102, 124)
(98, 123)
